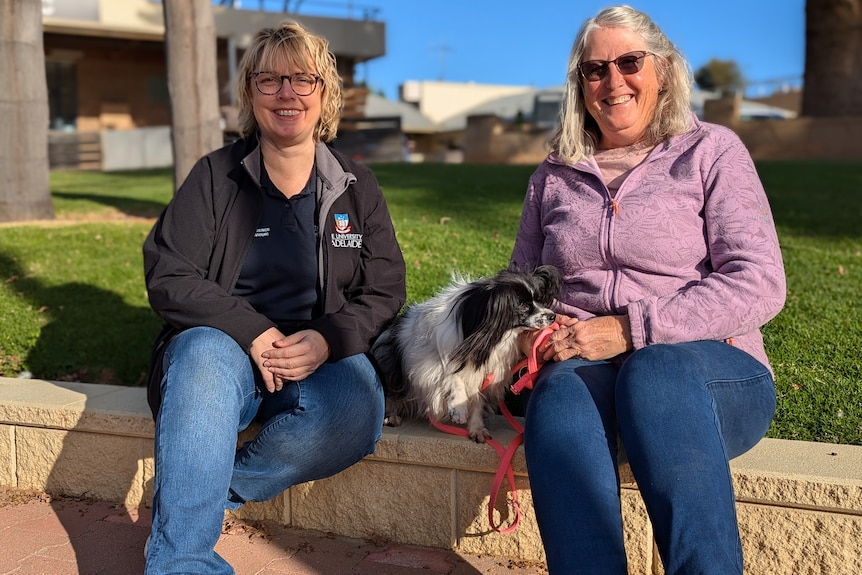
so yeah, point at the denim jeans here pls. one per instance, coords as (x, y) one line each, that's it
(310, 429)
(680, 413)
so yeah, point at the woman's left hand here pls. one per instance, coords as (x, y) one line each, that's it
(296, 356)
(594, 339)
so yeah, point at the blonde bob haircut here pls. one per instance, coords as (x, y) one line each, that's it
(578, 133)
(290, 45)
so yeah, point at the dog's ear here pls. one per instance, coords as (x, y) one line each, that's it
(484, 313)
(547, 283)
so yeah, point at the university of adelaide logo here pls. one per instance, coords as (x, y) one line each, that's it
(342, 238)
(342, 223)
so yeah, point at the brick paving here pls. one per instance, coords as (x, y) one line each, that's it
(41, 535)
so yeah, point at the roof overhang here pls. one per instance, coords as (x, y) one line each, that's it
(360, 40)
(99, 30)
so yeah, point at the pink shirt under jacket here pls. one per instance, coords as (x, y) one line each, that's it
(687, 247)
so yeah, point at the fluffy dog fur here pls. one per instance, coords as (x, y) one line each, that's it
(434, 358)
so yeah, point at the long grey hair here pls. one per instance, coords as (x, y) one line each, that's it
(578, 133)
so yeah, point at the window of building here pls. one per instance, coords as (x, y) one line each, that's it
(62, 95)
(157, 89)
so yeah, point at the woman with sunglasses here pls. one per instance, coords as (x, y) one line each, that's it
(274, 267)
(664, 238)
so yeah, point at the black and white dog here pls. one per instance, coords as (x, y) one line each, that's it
(436, 355)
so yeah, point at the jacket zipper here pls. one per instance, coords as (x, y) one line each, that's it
(613, 210)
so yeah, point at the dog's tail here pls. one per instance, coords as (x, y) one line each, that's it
(385, 355)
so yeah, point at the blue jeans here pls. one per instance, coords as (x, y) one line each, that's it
(310, 429)
(681, 412)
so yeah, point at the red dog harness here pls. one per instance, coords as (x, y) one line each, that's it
(525, 381)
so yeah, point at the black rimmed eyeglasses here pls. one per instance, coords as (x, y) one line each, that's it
(270, 83)
(628, 63)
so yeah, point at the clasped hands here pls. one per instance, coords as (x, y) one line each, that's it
(594, 339)
(294, 357)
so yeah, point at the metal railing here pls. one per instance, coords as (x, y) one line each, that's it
(347, 9)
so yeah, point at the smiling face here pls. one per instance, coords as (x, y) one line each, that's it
(284, 118)
(622, 106)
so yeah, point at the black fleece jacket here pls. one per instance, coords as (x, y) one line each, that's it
(194, 254)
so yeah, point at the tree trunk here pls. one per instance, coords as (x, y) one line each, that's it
(25, 191)
(190, 45)
(833, 58)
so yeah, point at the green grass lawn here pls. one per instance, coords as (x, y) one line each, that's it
(75, 308)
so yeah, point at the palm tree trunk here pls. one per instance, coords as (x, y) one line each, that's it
(25, 191)
(833, 58)
(190, 44)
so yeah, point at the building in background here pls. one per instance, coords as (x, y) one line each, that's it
(107, 75)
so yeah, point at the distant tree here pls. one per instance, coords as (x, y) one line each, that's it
(25, 192)
(833, 58)
(190, 45)
(721, 76)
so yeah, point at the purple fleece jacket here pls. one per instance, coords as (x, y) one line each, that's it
(687, 248)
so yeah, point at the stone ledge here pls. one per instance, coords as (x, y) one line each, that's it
(799, 503)
(802, 475)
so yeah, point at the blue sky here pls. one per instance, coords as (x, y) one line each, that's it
(527, 42)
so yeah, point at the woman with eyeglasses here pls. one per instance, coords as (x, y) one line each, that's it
(274, 268)
(663, 235)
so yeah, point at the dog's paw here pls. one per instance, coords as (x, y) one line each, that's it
(480, 435)
(392, 420)
(458, 414)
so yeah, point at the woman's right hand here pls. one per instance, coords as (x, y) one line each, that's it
(594, 339)
(262, 343)
(527, 339)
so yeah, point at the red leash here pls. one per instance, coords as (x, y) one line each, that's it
(532, 363)
(505, 468)
(506, 454)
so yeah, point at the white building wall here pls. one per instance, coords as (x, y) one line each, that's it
(440, 101)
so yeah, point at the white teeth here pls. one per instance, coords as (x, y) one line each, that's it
(618, 100)
(287, 112)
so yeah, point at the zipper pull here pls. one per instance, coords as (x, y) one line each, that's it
(615, 206)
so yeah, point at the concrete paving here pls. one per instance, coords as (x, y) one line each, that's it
(42, 535)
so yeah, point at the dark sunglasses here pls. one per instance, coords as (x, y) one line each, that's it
(628, 63)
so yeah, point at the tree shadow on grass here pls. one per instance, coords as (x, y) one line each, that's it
(815, 199)
(129, 206)
(90, 334)
(135, 193)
